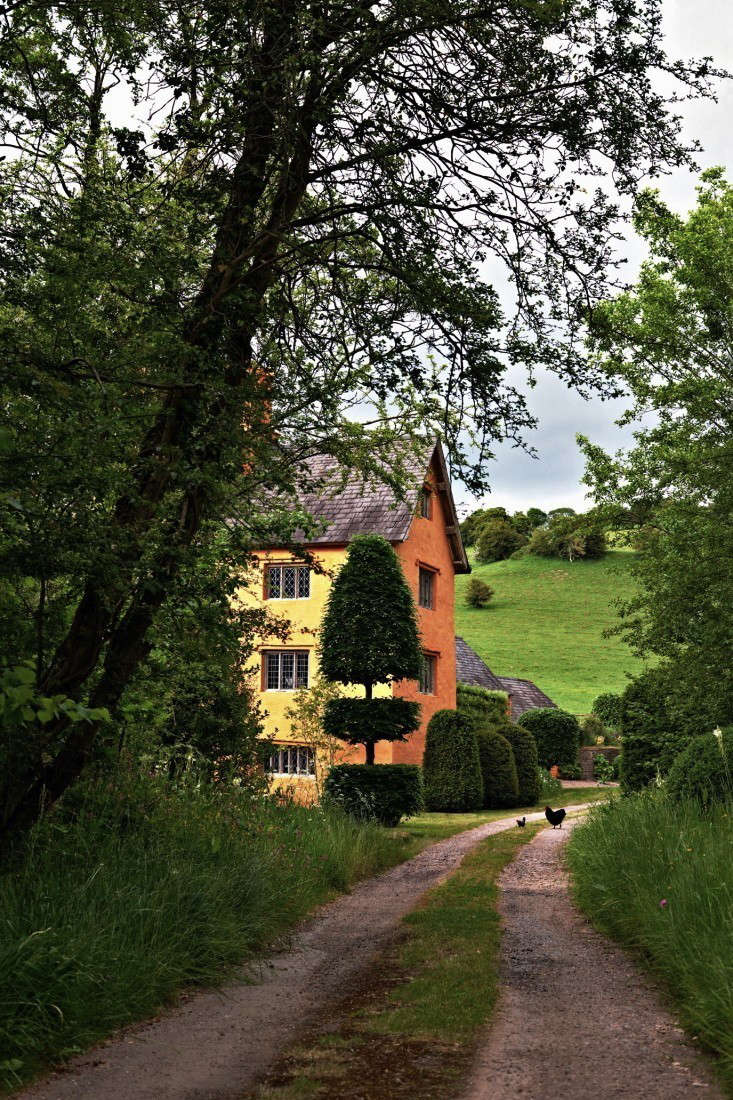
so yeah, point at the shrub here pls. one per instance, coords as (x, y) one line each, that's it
(603, 768)
(497, 540)
(570, 771)
(361, 721)
(524, 748)
(498, 770)
(704, 769)
(650, 739)
(556, 732)
(478, 593)
(451, 768)
(376, 792)
(483, 706)
(550, 787)
(607, 707)
(591, 728)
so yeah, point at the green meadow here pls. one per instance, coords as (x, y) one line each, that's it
(546, 621)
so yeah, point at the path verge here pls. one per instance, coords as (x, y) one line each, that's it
(216, 1045)
(576, 1018)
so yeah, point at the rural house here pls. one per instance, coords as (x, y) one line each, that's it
(427, 540)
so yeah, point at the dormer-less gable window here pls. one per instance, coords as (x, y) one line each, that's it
(288, 582)
(426, 588)
(425, 503)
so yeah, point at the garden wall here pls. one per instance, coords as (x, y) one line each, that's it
(587, 752)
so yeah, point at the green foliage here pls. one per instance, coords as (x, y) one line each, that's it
(636, 853)
(498, 770)
(478, 592)
(551, 789)
(667, 343)
(570, 771)
(366, 721)
(369, 630)
(179, 886)
(651, 734)
(451, 767)
(592, 730)
(482, 706)
(548, 622)
(569, 536)
(497, 539)
(526, 759)
(369, 636)
(536, 517)
(704, 770)
(382, 792)
(603, 768)
(556, 732)
(607, 707)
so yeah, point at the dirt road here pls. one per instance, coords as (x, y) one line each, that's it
(217, 1044)
(576, 1018)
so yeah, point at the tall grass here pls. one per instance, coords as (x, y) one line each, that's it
(121, 901)
(658, 876)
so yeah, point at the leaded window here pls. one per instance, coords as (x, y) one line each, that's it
(426, 588)
(426, 684)
(286, 670)
(292, 760)
(288, 582)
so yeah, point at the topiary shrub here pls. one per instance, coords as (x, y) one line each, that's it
(556, 733)
(498, 770)
(364, 721)
(483, 706)
(526, 759)
(704, 769)
(376, 792)
(451, 769)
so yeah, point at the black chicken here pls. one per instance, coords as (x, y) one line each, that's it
(555, 817)
(521, 821)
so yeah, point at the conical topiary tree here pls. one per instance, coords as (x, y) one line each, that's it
(498, 770)
(524, 748)
(369, 636)
(451, 768)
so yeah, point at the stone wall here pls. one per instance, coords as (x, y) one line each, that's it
(587, 752)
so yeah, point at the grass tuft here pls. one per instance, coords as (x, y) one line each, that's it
(658, 876)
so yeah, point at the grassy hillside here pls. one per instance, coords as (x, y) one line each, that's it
(546, 622)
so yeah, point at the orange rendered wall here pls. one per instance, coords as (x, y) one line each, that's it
(427, 544)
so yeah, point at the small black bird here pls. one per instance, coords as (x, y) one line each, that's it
(555, 817)
(522, 821)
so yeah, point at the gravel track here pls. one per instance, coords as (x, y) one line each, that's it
(215, 1045)
(576, 1018)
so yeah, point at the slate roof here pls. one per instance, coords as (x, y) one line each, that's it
(470, 669)
(523, 694)
(346, 505)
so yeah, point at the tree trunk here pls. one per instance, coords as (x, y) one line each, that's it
(368, 690)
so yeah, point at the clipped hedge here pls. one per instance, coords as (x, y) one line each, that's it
(498, 770)
(704, 770)
(361, 721)
(556, 733)
(451, 768)
(526, 759)
(484, 707)
(376, 792)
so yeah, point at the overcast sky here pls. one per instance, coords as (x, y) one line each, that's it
(693, 28)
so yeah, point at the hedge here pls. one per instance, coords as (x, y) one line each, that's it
(556, 732)
(526, 759)
(498, 770)
(451, 769)
(704, 770)
(377, 792)
(485, 707)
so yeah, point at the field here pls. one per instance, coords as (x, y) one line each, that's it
(545, 623)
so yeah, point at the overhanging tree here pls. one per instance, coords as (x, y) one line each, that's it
(369, 636)
(298, 209)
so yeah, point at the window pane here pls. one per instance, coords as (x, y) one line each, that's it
(304, 583)
(288, 583)
(287, 667)
(273, 671)
(425, 596)
(427, 675)
(301, 678)
(273, 582)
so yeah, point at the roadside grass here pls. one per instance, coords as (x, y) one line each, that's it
(545, 623)
(426, 828)
(641, 851)
(120, 903)
(412, 1034)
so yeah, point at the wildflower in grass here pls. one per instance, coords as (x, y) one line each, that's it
(663, 903)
